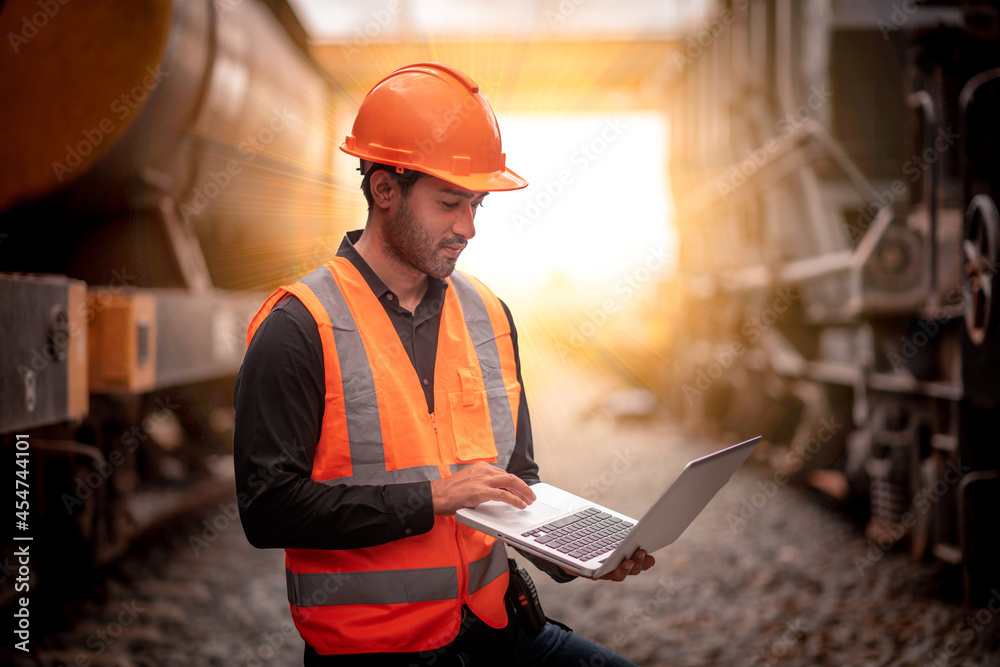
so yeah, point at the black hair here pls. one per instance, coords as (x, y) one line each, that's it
(405, 180)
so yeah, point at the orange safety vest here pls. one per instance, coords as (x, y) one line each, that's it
(405, 595)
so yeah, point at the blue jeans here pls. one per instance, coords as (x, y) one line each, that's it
(556, 647)
(479, 645)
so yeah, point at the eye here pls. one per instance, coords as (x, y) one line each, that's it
(449, 204)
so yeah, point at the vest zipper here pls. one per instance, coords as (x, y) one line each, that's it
(463, 560)
(443, 468)
(463, 568)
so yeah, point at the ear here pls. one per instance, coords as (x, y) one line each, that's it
(383, 187)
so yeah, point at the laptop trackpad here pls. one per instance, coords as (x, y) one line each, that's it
(509, 518)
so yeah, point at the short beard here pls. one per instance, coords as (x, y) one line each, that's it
(410, 244)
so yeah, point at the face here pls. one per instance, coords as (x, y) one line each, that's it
(432, 225)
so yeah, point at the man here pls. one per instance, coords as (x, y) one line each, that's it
(382, 393)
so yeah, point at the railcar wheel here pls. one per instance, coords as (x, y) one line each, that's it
(980, 248)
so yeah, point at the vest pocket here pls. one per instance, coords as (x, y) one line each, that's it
(470, 420)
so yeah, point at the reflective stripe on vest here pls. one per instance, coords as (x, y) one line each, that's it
(393, 586)
(363, 428)
(477, 319)
(487, 568)
(385, 587)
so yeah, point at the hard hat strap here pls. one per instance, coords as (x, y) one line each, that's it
(399, 170)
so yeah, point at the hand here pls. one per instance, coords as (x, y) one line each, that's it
(477, 484)
(639, 562)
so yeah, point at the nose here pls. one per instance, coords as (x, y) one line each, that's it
(465, 222)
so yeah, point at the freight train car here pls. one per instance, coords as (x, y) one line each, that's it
(163, 162)
(836, 177)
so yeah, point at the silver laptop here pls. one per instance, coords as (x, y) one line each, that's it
(591, 540)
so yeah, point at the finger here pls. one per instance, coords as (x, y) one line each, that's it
(501, 485)
(513, 497)
(522, 499)
(619, 573)
(616, 575)
(505, 496)
(518, 487)
(517, 499)
(503, 480)
(638, 561)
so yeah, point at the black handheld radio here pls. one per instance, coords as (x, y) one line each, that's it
(522, 594)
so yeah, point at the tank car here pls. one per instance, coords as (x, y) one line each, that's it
(163, 163)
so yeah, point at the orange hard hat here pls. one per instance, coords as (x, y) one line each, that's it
(432, 118)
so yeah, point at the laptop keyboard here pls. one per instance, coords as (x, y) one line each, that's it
(584, 535)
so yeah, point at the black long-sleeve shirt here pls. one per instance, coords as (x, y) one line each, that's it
(279, 401)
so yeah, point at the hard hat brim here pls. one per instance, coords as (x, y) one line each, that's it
(497, 181)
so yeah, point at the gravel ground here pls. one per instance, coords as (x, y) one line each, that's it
(785, 587)
(782, 588)
(763, 576)
(190, 596)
